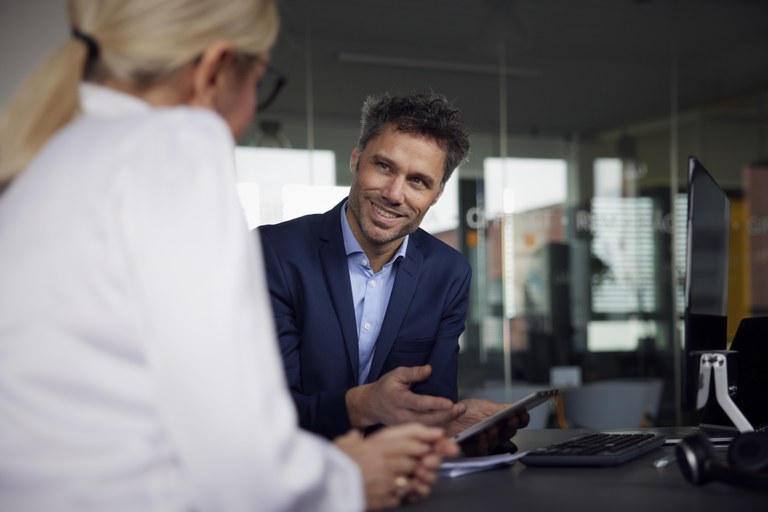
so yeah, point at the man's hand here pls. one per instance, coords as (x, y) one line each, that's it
(485, 442)
(390, 401)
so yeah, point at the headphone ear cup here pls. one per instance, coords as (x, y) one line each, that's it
(749, 451)
(698, 463)
(694, 456)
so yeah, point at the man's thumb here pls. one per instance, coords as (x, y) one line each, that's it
(416, 373)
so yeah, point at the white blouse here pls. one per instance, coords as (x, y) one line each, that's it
(139, 368)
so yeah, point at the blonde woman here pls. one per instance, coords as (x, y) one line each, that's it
(138, 362)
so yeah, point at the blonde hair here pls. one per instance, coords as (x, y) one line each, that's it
(139, 42)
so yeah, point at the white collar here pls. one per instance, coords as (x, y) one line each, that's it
(104, 101)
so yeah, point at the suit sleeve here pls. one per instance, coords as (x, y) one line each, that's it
(324, 413)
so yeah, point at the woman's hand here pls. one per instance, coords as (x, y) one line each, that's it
(398, 463)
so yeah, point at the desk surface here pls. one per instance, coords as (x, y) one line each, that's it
(634, 486)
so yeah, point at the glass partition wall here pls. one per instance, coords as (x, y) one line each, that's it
(575, 231)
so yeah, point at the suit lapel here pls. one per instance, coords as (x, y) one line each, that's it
(333, 261)
(403, 290)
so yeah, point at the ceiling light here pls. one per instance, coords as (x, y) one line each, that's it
(436, 65)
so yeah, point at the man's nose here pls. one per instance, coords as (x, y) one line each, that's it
(394, 190)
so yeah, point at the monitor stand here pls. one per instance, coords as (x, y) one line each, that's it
(716, 362)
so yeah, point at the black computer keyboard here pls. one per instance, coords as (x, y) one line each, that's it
(599, 449)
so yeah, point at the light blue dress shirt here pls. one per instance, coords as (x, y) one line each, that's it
(370, 293)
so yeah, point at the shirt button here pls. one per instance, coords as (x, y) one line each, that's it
(367, 326)
(364, 262)
(373, 284)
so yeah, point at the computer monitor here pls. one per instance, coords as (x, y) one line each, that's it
(706, 276)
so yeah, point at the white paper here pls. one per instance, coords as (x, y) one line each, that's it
(466, 465)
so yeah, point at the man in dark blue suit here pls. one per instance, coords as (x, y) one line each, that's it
(369, 307)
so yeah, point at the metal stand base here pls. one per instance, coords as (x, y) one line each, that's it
(716, 362)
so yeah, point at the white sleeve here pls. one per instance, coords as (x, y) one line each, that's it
(209, 336)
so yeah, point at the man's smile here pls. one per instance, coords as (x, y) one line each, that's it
(380, 211)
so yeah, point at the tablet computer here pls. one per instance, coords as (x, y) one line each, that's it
(526, 403)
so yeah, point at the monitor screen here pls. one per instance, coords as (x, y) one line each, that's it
(706, 277)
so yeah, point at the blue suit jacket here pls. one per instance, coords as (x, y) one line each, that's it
(311, 295)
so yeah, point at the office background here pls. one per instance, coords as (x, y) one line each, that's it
(571, 207)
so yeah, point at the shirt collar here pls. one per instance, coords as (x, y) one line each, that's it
(104, 101)
(351, 245)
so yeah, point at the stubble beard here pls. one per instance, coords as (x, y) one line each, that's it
(374, 234)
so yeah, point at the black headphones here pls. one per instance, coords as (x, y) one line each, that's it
(747, 460)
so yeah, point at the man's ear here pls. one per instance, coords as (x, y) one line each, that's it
(208, 76)
(353, 160)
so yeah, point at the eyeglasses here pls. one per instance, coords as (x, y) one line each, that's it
(269, 87)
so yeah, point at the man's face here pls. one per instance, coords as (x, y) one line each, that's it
(396, 178)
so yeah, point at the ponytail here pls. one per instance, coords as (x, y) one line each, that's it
(127, 40)
(47, 100)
